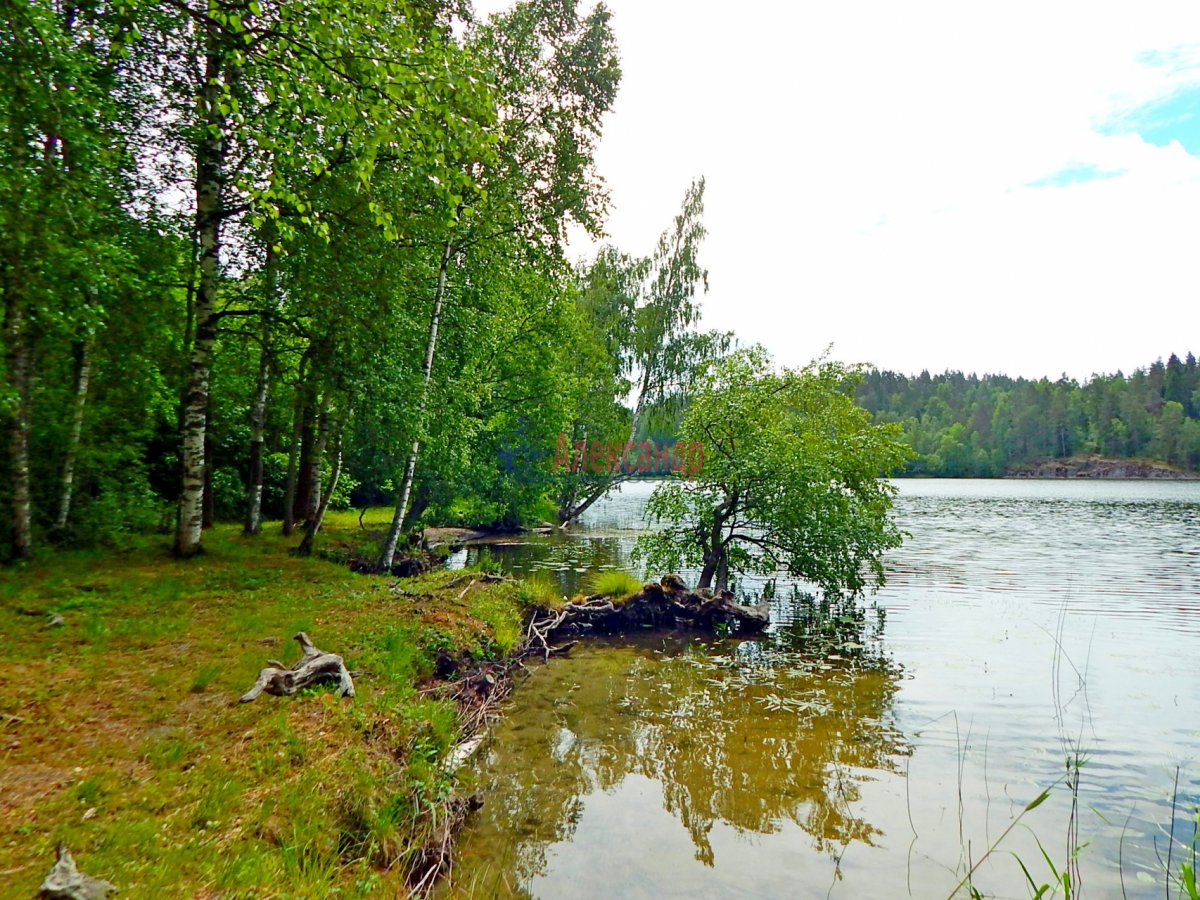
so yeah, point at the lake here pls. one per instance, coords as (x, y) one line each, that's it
(1030, 632)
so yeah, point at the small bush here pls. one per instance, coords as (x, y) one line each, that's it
(470, 512)
(229, 493)
(120, 507)
(345, 487)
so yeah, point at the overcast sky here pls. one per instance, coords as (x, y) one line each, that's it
(1003, 187)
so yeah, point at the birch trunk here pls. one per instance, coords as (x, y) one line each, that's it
(388, 554)
(17, 353)
(313, 489)
(715, 563)
(302, 502)
(298, 411)
(258, 420)
(210, 163)
(311, 529)
(16, 337)
(82, 377)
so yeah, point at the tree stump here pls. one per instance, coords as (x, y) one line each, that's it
(314, 666)
(65, 882)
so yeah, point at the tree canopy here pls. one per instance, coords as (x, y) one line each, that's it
(244, 242)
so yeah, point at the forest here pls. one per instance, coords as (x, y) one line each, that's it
(986, 426)
(262, 259)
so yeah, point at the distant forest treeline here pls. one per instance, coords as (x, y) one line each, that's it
(983, 426)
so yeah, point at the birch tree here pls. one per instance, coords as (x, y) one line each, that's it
(61, 193)
(662, 351)
(267, 98)
(557, 74)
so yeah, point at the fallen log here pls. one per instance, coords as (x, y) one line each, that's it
(66, 882)
(313, 667)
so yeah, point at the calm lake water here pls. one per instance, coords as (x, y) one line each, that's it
(1022, 621)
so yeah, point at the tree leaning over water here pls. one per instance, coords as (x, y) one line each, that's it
(792, 480)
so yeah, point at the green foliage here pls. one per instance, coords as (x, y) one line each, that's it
(353, 143)
(228, 492)
(121, 506)
(495, 608)
(792, 480)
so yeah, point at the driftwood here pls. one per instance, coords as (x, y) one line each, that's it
(314, 666)
(65, 882)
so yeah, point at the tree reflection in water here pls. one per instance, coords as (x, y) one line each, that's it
(753, 734)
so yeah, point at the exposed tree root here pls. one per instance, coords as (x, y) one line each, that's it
(664, 604)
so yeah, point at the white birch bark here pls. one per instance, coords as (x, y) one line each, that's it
(82, 378)
(209, 178)
(388, 554)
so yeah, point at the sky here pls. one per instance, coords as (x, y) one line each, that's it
(985, 187)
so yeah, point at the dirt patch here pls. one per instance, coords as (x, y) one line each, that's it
(23, 785)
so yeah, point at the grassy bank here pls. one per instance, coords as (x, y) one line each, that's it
(121, 735)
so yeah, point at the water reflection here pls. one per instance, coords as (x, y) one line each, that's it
(744, 738)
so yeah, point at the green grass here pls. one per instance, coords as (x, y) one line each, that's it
(541, 591)
(615, 584)
(121, 734)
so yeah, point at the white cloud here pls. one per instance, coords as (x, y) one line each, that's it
(868, 165)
